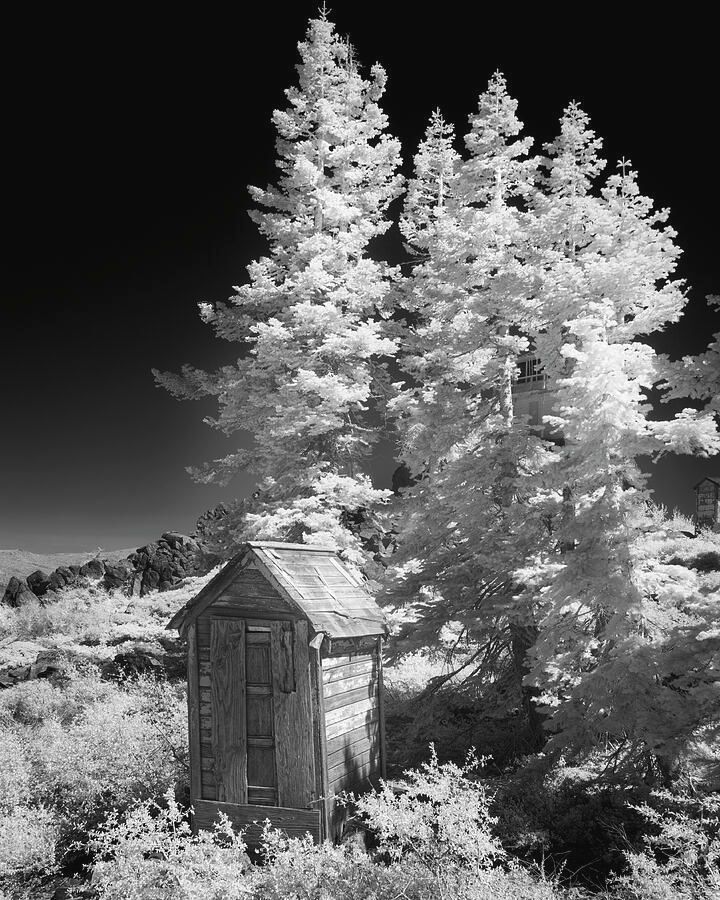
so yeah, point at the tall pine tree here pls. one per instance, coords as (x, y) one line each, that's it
(310, 321)
(605, 259)
(467, 522)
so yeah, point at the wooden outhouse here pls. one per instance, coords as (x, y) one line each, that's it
(707, 503)
(284, 690)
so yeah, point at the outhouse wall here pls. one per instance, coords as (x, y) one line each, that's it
(250, 630)
(353, 724)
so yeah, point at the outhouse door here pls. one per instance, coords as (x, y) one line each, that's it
(262, 730)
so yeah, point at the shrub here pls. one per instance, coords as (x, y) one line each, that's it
(438, 817)
(435, 844)
(116, 750)
(27, 842)
(681, 859)
(14, 771)
(151, 854)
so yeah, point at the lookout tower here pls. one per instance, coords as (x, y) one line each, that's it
(284, 690)
(707, 503)
(531, 396)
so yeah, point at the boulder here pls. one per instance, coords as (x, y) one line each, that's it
(137, 661)
(38, 582)
(61, 577)
(151, 579)
(116, 574)
(48, 663)
(93, 568)
(17, 592)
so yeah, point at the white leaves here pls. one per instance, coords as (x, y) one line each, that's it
(690, 432)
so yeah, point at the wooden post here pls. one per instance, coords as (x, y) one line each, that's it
(381, 708)
(194, 714)
(320, 743)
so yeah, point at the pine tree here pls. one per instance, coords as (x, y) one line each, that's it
(607, 261)
(467, 522)
(310, 320)
(697, 377)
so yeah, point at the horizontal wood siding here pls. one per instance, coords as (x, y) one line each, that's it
(294, 822)
(352, 723)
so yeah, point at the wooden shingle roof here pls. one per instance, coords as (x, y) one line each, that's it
(311, 578)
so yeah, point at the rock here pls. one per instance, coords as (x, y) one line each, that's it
(116, 574)
(93, 568)
(48, 662)
(133, 662)
(61, 577)
(21, 673)
(17, 593)
(150, 581)
(57, 582)
(38, 582)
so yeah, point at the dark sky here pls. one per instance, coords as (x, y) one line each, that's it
(132, 136)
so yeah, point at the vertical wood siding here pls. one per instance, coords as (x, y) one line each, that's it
(193, 663)
(292, 706)
(227, 698)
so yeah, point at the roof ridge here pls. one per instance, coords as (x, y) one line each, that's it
(286, 545)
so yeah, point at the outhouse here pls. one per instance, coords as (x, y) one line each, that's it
(284, 690)
(707, 503)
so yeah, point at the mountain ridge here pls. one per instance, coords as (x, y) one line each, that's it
(21, 563)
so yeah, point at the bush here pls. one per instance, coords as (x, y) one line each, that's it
(27, 833)
(70, 756)
(435, 843)
(129, 744)
(27, 842)
(151, 854)
(438, 816)
(681, 859)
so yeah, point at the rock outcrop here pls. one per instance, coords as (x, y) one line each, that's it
(159, 565)
(17, 592)
(164, 564)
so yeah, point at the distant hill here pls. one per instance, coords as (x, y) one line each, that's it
(22, 562)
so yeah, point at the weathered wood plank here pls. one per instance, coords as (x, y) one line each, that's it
(356, 756)
(319, 742)
(334, 592)
(345, 658)
(364, 692)
(261, 796)
(351, 710)
(366, 717)
(342, 685)
(381, 704)
(292, 708)
(227, 653)
(356, 780)
(348, 670)
(241, 610)
(368, 730)
(256, 590)
(261, 766)
(294, 822)
(196, 786)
